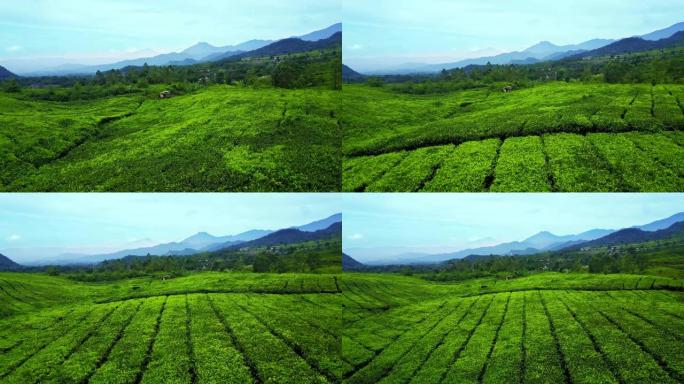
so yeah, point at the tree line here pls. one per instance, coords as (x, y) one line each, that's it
(663, 66)
(300, 70)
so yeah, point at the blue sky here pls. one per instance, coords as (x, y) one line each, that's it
(103, 31)
(45, 224)
(381, 225)
(382, 33)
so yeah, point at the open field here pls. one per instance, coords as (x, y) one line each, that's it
(552, 137)
(220, 138)
(203, 328)
(546, 328)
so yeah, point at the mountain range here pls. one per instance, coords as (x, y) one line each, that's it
(632, 235)
(205, 242)
(200, 52)
(291, 236)
(545, 51)
(540, 242)
(633, 44)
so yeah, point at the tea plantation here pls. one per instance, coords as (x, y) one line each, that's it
(203, 328)
(220, 138)
(552, 137)
(546, 328)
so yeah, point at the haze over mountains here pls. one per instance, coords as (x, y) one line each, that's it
(539, 242)
(542, 51)
(205, 242)
(197, 53)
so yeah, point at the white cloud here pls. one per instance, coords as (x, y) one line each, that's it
(13, 48)
(13, 237)
(356, 236)
(355, 47)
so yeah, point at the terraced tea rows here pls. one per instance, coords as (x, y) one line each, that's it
(21, 293)
(553, 137)
(569, 162)
(207, 338)
(561, 336)
(221, 138)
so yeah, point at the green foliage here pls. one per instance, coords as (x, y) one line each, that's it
(413, 171)
(555, 136)
(467, 168)
(222, 138)
(11, 86)
(546, 327)
(96, 333)
(521, 166)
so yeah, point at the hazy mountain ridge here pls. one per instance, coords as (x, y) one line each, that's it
(291, 236)
(7, 264)
(633, 235)
(349, 263)
(350, 74)
(197, 53)
(634, 44)
(540, 242)
(542, 51)
(5, 73)
(197, 243)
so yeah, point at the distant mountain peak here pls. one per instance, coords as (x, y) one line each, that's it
(542, 44)
(199, 235)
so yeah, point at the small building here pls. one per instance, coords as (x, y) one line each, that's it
(164, 94)
(507, 89)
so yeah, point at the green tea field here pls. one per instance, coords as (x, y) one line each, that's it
(220, 138)
(546, 328)
(551, 137)
(202, 328)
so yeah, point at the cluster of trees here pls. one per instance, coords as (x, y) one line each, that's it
(313, 256)
(656, 67)
(309, 69)
(631, 258)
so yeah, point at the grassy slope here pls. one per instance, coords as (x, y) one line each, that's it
(205, 328)
(548, 327)
(222, 138)
(565, 159)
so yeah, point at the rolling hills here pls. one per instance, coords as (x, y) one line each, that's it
(545, 328)
(252, 140)
(553, 136)
(203, 328)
